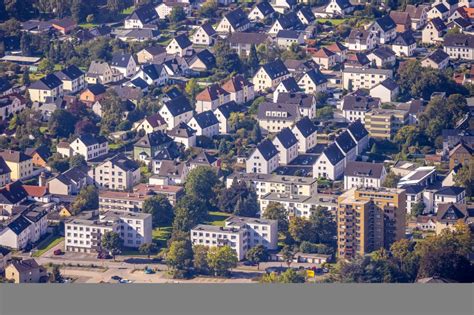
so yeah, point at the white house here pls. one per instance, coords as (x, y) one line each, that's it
(183, 134)
(240, 89)
(234, 21)
(339, 7)
(434, 31)
(116, 173)
(355, 78)
(306, 132)
(165, 8)
(313, 82)
(142, 16)
(223, 113)
(204, 35)
(287, 145)
(89, 146)
(330, 164)
(261, 11)
(25, 228)
(211, 97)
(150, 74)
(176, 111)
(270, 75)
(347, 145)
(404, 44)
(264, 159)
(125, 64)
(385, 29)
(205, 124)
(364, 174)
(361, 40)
(180, 45)
(73, 79)
(48, 86)
(386, 91)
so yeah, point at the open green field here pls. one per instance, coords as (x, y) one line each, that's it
(334, 22)
(88, 25)
(217, 218)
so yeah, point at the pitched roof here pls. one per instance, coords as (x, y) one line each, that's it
(290, 85)
(306, 126)
(359, 102)
(459, 40)
(345, 142)
(358, 35)
(441, 8)
(323, 53)
(248, 38)
(170, 152)
(48, 82)
(452, 212)
(36, 191)
(237, 18)
(74, 174)
(316, 76)
(438, 24)
(290, 110)
(70, 73)
(89, 139)
(229, 108)
(289, 20)
(415, 11)
(236, 84)
(357, 130)
(183, 41)
(124, 163)
(155, 50)
(357, 59)
(4, 169)
(287, 34)
(206, 119)
(343, 4)
(333, 153)
(438, 56)
(450, 191)
(121, 60)
(300, 99)
(208, 29)
(13, 193)
(460, 22)
(14, 156)
(389, 84)
(211, 93)
(275, 69)
(383, 52)
(267, 149)
(182, 131)
(206, 57)
(178, 105)
(364, 169)
(404, 39)
(286, 138)
(400, 17)
(386, 23)
(25, 265)
(265, 8)
(96, 89)
(153, 139)
(204, 158)
(153, 71)
(308, 14)
(336, 47)
(145, 13)
(155, 120)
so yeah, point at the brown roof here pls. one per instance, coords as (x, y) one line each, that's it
(211, 93)
(236, 84)
(141, 192)
(452, 212)
(400, 17)
(63, 144)
(14, 156)
(336, 47)
(155, 120)
(323, 53)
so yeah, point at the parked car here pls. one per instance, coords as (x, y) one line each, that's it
(118, 278)
(58, 252)
(103, 255)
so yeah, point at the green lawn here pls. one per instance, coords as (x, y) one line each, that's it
(334, 22)
(115, 146)
(128, 10)
(88, 25)
(47, 244)
(161, 235)
(217, 218)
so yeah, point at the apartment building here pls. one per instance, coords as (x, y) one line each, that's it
(369, 219)
(133, 201)
(356, 78)
(117, 173)
(25, 228)
(364, 174)
(134, 228)
(384, 123)
(273, 117)
(299, 205)
(89, 146)
(459, 46)
(240, 233)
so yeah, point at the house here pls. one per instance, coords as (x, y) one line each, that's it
(339, 8)
(386, 91)
(39, 155)
(69, 182)
(204, 159)
(339, 49)
(305, 132)
(283, 6)
(147, 54)
(404, 44)
(264, 159)
(24, 228)
(184, 134)
(289, 21)
(145, 14)
(150, 74)
(165, 8)
(116, 173)
(364, 174)
(418, 15)
(234, 21)
(313, 82)
(176, 110)
(93, 93)
(461, 154)
(451, 213)
(20, 164)
(272, 117)
(139, 35)
(125, 64)
(306, 16)
(180, 45)
(5, 173)
(270, 75)
(287, 145)
(360, 135)
(426, 223)
(459, 46)
(205, 123)
(361, 40)
(240, 89)
(243, 42)
(211, 97)
(305, 104)
(438, 11)
(382, 57)
(90, 146)
(434, 31)
(147, 147)
(202, 61)
(287, 38)
(100, 72)
(355, 106)
(205, 35)
(325, 58)
(11, 104)
(223, 113)
(64, 26)
(261, 11)
(25, 271)
(385, 29)
(73, 79)
(48, 86)
(330, 164)
(11, 195)
(438, 59)
(357, 60)
(288, 85)
(5, 258)
(459, 13)
(449, 194)
(347, 145)
(414, 108)
(461, 24)
(354, 78)
(402, 20)
(151, 123)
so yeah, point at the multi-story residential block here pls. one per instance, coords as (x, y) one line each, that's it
(364, 174)
(240, 233)
(299, 205)
(459, 46)
(355, 78)
(285, 39)
(89, 146)
(133, 228)
(369, 219)
(270, 75)
(306, 133)
(264, 159)
(116, 173)
(356, 105)
(384, 123)
(273, 117)
(20, 164)
(73, 79)
(49, 86)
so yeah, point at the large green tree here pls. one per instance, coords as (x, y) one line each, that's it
(189, 212)
(257, 254)
(221, 260)
(200, 259)
(161, 210)
(201, 183)
(323, 226)
(180, 257)
(112, 243)
(276, 211)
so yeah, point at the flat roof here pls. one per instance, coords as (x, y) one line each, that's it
(213, 228)
(13, 58)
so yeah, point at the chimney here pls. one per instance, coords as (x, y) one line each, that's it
(42, 179)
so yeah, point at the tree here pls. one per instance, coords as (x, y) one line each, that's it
(276, 211)
(257, 254)
(46, 65)
(256, 134)
(88, 198)
(114, 6)
(465, 178)
(226, 59)
(239, 199)
(147, 249)
(25, 78)
(77, 160)
(444, 262)
(55, 276)
(180, 256)
(287, 254)
(200, 259)
(253, 61)
(418, 208)
(177, 14)
(61, 124)
(300, 229)
(189, 212)
(112, 111)
(77, 10)
(323, 227)
(311, 248)
(221, 260)
(208, 9)
(161, 210)
(112, 242)
(291, 276)
(191, 89)
(391, 180)
(25, 44)
(201, 182)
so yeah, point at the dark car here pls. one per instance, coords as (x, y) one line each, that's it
(58, 252)
(118, 278)
(249, 263)
(103, 256)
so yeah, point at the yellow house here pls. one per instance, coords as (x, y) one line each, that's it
(64, 212)
(25, 271)
(49, 86)
(20, 164)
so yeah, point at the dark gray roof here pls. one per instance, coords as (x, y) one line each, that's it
(4, 169)
(14, 156)
(170, 152)
(451, 212)
(438, 56)
(139, 83)
(413, 189)
(389, 84)
(450, 191)
(124, 163)
(182, 131)
(206, 119)
(316, 76)
(267, 149)
(206, 57)
(306, 127)
(13, 193)
(19, 224)
(75, 174)
(237, 18)
(308, 14)
(300, 99)
(290, 109)
(229, 108)
(4, 251)
(364, 169)
(438, 24)
(265, 8)
(290, 85)
(404, 39)
(153, 139)
(358, 103)
(49, 82)
(343, 4)
(204, 158)
(89, 139)
(208, 29)
(441, 8)
(247, 38)
(289, 20)
(287, 138)
(345, 142)
(386, 23)
(145, 14)
(178, 105)
(357, 130)
(70, 73)
(459, 40)
(183, 41)
(461, 22)
(383, 52)
(96, 89)
(287, 34)
(333, 153)
(275, 69)
(153, 71)
(121, 60)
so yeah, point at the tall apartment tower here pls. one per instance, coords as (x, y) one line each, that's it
(369, 219)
